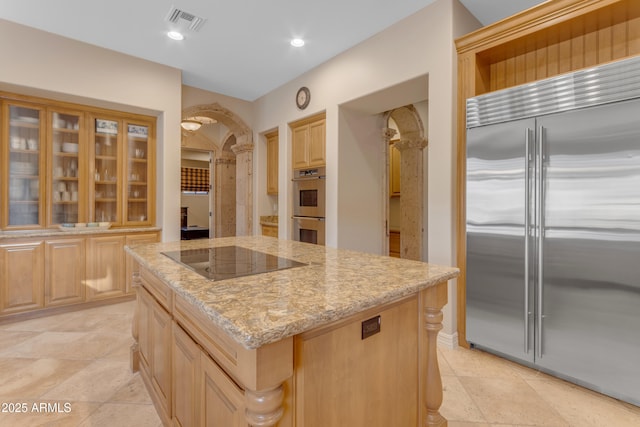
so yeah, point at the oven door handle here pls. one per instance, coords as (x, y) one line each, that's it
(314, 218)
(308, 178)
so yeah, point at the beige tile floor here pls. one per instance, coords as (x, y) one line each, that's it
(81, 360)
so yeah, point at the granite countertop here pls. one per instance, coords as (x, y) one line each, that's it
(56, 232)
(264, 308)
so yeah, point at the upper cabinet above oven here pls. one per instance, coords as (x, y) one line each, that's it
(308, 142)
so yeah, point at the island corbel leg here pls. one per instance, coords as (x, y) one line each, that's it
(433, 299)
(264, 407)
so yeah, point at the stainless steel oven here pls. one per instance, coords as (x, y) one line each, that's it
(309, 192)
(309, 205)
(308, 229)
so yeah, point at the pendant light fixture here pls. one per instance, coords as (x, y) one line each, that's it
(190, 125)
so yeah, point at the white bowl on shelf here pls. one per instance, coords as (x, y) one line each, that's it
(69, 147)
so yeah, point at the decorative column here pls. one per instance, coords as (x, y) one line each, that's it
(243, 150)
(387, 134)
(225, 204)
(411, 205)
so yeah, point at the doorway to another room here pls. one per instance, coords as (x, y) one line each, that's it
(196, 195)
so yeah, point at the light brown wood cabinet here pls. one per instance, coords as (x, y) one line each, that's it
(272, 163)
(342, 379)
(394, 243)
(332, 375)
(308, 142)
(155, 341)
(160, 331)
(222, 400)
(132, 267)
(269, 230)
(21, 276)
(203, 394)
(186, 379)
(64, 271)
(394, 171)
(70, 163)
(105, 267)
(123, 170)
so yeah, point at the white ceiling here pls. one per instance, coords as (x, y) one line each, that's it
(243, 48)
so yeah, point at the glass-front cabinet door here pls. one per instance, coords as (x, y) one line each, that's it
(67, 168)
(23, 165)
(105, 147)
(138, 172)
(62, 165)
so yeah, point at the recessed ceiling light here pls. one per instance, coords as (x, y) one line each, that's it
(175, 35)
(297, 42)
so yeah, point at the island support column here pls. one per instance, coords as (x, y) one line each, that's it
(432, 300)
(264, 407)
(270, 367)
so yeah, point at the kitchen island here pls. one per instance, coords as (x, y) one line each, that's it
(324, 337)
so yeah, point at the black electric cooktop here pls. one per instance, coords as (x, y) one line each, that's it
(227, 262)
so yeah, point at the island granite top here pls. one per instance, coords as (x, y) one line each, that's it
(264, 308)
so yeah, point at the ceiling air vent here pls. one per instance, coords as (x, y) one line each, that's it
(185, 19)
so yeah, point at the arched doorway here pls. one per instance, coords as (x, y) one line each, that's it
(404, 127)
(233, 166)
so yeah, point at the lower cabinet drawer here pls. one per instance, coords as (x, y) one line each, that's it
(222, 400)
(203, 394)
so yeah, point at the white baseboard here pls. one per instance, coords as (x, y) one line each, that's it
(448, 340)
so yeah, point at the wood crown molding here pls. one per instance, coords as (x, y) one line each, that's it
(528, 22)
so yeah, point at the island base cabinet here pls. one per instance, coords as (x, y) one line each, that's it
(222, 401)
(155, 345)
(376, 368)
(132, 267)
(21, 277)
(186, 379)
(203, 394)
(343, 379)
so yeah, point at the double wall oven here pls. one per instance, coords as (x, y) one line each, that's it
(309, 205)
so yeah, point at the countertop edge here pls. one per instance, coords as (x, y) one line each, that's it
(26, 234)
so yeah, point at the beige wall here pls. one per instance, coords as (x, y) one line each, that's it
(39, 63)
(419, 48)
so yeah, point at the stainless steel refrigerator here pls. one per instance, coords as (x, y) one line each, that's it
(553, 226)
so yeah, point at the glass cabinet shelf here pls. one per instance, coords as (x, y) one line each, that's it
(24, 164)
(67, 163)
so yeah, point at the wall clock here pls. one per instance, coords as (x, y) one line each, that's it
(303, 97)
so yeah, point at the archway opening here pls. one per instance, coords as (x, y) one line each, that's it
(404, 139)
(231, 191)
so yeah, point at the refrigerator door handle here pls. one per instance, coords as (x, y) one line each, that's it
(527, 225)
(540, 236)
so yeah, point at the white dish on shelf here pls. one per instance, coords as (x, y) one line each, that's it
(28, 119)
(69, 147)
(85, 226)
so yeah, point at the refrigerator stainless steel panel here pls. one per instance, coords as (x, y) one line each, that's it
(499, 189)
(590, 282)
